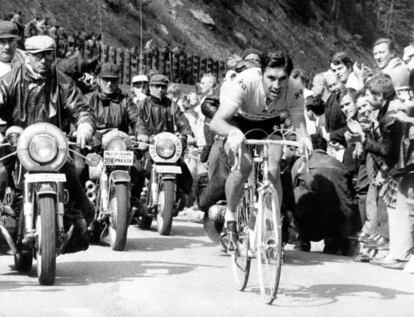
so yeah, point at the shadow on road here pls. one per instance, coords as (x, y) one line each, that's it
(312, 258)
(164, 243)
(326, 294)
(86, 273)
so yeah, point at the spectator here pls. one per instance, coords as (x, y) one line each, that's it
(315, 110)
(10, 55)
(323, 201)
(320, 87)
(390, 64)
(303, 78)
(332, 83)
(380, 93)
(253, 55)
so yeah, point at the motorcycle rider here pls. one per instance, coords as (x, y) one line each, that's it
(257, 98)
(36, 92)
(157, 114)
(10, 55)
(139, 87)
(114, 110)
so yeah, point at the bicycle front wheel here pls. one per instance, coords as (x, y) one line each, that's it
(240, 258)
(269, 242)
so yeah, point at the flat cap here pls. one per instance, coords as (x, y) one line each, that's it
(159, 79)
(109, 70)
(8, 29)
(139, 78)
(39, 43)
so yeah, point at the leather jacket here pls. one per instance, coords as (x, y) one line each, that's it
(115, 111)
(335, 120)
(387, 146)
(155, 116)
(25, 98)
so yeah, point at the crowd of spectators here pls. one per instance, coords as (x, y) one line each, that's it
(68, 45)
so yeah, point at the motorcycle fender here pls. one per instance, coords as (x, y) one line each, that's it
(168, 169)
(169, 176)
(120, 177)
(46, 189)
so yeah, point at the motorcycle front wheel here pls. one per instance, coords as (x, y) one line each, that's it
(118, 226)
(46, 240)
(165, 208)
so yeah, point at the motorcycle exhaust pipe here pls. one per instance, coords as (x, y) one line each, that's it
(91, 196)
(89, 186)
(8, 238)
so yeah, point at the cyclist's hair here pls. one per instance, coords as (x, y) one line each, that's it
(389, 42)
(279, 58)
(381, 84)
(318, 142)
(315, 104)
(342, 58)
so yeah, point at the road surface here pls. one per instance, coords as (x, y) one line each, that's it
(187, 275)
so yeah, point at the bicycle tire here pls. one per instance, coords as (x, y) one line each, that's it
(240, 258)
(269, 244)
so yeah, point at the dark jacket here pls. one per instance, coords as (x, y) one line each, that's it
(323, 198)
(335, 119)
(116, 111)
(155, 116)
(25, 100)
(386, 147)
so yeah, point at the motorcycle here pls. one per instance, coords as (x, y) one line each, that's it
(160, 194)
(34, 204)
(109, 187)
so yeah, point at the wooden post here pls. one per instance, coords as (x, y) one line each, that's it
(112, 55)
(104, 53)
(203, 68)
(134, 64)
(195, 69)
(162, 65)
(120, 62)
(209, 68)
(127, 67)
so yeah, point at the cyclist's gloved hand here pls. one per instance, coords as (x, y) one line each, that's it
(234, 139)
(84, 134)
(144, 140)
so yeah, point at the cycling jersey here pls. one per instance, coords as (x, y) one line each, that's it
(246, 94)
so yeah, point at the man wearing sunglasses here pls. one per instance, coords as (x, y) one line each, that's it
(36, 92)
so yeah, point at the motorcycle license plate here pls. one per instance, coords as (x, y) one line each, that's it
(123, 158)
(168, 169)
(45, 178)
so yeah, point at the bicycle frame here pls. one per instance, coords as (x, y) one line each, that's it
(260, 223)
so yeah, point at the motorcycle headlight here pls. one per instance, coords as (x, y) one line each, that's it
(165, 148)
(43, 148)
(116, 144)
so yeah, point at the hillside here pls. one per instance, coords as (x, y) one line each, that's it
(215, 28)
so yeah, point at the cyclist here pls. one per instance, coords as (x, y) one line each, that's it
(258, 98)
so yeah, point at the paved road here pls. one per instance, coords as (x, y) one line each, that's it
(187, 275)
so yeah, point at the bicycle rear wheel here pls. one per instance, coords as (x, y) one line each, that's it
(240, 258)
(269, 242)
